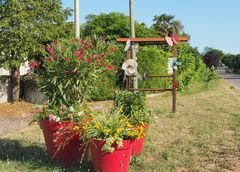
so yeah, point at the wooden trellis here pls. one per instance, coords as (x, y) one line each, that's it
(174, 75)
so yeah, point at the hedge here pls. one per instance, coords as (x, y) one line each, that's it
(154, 59)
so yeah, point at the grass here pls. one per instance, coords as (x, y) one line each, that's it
(204, 135)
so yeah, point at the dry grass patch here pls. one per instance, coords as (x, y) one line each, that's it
(203, 135)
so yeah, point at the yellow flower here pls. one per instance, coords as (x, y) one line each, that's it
(129, 125)
(76, 128)
(84, 127)
(97, 126)
(119, 130)
(141, 129)
(106, 131)
(115, 136)
(139, 136)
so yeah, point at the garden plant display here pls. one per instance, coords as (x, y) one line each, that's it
(133, 107)
(111, 137)
(67, 76)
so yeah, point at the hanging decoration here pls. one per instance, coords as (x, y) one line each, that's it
(128, 45)
(130, 68)
(172, 40)
(173, 64)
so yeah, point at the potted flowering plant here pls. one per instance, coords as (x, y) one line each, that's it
(61, 127)
(66, 76)
(133, 107)
(110, 137)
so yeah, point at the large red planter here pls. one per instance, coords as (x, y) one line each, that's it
(137, 146)
(117, 161)
(71, 154)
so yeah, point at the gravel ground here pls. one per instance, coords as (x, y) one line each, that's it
(13, 124)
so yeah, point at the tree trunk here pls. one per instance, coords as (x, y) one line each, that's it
(15, 84)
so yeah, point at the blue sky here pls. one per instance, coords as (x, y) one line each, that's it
(212, 23)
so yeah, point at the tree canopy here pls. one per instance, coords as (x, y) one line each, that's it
(24, 25)
(212, 57)
(114, 25)
(167, 24)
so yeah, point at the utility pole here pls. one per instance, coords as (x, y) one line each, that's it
(77, 18)
(131, 11)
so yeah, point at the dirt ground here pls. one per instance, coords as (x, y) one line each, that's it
(14, 117)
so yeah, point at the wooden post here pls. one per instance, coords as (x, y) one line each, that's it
(132, 30)
(174, 92)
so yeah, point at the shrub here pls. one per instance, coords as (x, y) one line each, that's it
(129, 101)
(69, 71)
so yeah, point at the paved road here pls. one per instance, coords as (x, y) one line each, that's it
(232, 78)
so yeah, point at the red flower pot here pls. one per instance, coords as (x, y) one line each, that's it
(71, 154)
(117, 161)
(137, 146)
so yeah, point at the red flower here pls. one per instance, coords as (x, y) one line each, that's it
(76, 53)
(109, 67)
(49, 59)
(99, 57)
(81, 56)
(105, 54)
(98, 65)
(34, 64)
(89, 59)
(50, 50)
(67, 59)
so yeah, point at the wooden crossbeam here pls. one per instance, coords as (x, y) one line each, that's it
(150, 89)
(160, 39)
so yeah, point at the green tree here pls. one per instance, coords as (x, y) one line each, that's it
(212, 57)
(114, 25)
(23, 26)
(166, 24)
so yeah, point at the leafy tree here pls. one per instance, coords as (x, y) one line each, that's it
(166, 24)
(23, 26)
(212, 57)
(114, 25)
(232, 61)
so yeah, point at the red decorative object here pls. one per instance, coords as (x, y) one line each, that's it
(175, 38)
(175, 85)
(137, 146)
(117, 161)
(169, 41)
(71, 154)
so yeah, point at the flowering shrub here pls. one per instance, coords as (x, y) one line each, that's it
(69, 70)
